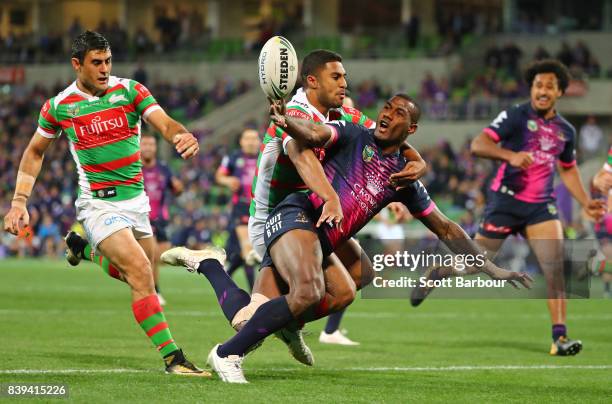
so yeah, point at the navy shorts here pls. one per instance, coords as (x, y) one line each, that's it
(505, 215)
(240, 214)
(294, 212)
(159, 229)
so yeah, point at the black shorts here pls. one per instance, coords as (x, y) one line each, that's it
(505, 215)
(294, 212)
(159, 229)
(240, 215)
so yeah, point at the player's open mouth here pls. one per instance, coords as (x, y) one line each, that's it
(103, 80)
(383, 125)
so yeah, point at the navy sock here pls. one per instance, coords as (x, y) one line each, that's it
(230, 297)
(333, 322)
(269, 317)
(607, 286)
(250, 274)
(558, 330)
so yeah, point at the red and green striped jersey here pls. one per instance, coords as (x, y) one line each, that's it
(276, 176)
(104, 136)
(608, 164)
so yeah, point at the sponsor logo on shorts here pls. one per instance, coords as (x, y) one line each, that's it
(115, 219)
(274, 224)
(496, 229)
(552, 208)
(301, 218)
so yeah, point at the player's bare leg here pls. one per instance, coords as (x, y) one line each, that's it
(131, 258)
(546, 240)
(242, 232)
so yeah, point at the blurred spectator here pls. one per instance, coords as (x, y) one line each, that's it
(590, 138)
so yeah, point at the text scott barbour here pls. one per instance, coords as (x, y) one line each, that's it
(406, 282)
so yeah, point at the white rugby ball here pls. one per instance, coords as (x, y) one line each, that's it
(278, 68)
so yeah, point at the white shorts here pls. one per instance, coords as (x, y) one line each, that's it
(102, 218)
(256, 235)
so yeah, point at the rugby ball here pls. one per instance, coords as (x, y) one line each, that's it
(277, 68)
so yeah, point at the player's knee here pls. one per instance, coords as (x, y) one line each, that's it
(309, 292)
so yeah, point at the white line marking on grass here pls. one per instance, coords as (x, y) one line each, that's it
(460, 368)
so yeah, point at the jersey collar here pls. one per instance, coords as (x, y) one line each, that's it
(300, 96)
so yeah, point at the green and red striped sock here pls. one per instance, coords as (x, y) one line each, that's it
(106, 265)
(149, 314)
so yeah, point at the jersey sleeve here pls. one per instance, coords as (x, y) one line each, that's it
(356, 116)
(567, 158)
(227, 165)
(504, 125)
(342, 133)
(292, 111)
(48, 126)
(416, 198)
(142, 99)
(608, 164)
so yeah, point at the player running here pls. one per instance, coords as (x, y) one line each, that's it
(531, 139)
(100, 115)
(358, 163)
(236, 172)
(158, 180)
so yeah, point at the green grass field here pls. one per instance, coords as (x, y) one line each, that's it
(75, 326)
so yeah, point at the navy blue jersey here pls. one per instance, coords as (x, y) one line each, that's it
(243, 166)
(520, 128)
(359, 172)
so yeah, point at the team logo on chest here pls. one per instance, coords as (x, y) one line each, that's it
(72, 109)
(532, 125)
(368, 153)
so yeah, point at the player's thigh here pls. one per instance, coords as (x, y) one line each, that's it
(242, 232)
(122, 249)
(546, 241)
(356, 262)
(298, 258)
(150, 247)
(269, 283)
(338, 282)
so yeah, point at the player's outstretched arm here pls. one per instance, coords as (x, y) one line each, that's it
(29, 168)
(457, 240)
(484, 146)
(306, 132)
(311, 172)
(413, 170)
(175, 133)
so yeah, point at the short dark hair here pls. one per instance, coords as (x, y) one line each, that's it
(414, 110)
(549, 66)
(317, 59)
(87, 41)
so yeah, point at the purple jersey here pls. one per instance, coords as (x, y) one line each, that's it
(359, 172)
(157, 181)
(243, 166)
(520, 128)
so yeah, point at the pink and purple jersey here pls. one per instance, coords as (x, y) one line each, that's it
(520, 128)
(359, 172)
(157, 183)
(242, 166)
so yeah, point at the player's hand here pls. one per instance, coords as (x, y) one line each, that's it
(521, 160)
(511, 277)
(16, 219)
(603, 181)
(595, 209)
(332, 214)
(400, 211)
(233, 183)
(277, 112)
(186, 145)
(412, 171)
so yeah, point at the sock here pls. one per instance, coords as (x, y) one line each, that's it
(106, 265)
(234, 263)
(558, 330)
(230, 297)
(606, 286)
(333, 322)
(157, 289)
(150, 316)
(269, 318)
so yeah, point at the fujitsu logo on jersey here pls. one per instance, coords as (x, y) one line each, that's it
(102, 127)
(98, 126)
